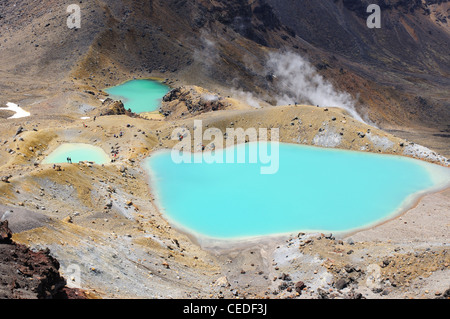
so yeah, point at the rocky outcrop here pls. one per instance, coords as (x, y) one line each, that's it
(113, 107)
(26, 274)
(190, 100)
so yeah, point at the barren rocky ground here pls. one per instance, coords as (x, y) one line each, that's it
(102, 219)
(26, 274)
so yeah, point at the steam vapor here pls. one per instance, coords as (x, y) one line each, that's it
(298, 82)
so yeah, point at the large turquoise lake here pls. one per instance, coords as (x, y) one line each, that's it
(139, 95)
(314, 189)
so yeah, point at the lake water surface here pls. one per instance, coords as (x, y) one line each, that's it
(78, 152)
(315, 189)
(139, 95)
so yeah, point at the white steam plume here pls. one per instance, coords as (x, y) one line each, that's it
(248, 97)
(298, 82)
(206, 54)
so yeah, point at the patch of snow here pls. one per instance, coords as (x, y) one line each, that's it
(20, 113)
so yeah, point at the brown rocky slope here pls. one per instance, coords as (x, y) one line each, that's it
(27, 274)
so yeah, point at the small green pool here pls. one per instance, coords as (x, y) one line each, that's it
(78, 152)
(139, 95)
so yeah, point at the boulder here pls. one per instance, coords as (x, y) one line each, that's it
(299, 286)
(109, 205)
(5, 233)
(222, 282)
(341, 283)
(19, 130)
(349, 268)
(328, 236)
(68, 220)
(5, 179)
(285, 277)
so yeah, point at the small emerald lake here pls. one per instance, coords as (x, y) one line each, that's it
(78, 152)
(139, 95)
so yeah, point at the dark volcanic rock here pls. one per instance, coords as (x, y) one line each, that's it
(25, 274)
(341, 283)
(6, 179)
(250, 20)
(5, 233)
(299, 286)
(19, 131)
(111, 107)
(190, 100)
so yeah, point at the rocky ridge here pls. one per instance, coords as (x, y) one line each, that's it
(27, 274)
